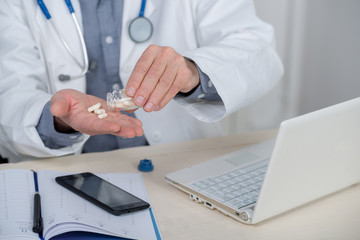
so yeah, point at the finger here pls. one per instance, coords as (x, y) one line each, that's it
(114, 122)
(150, 81)
(180, 78)
(141, 68)
(131, 111)
(123, 126)
(136, 121)
(59, 106)
(129, 132)
(129, 127)
(163, 86)
(92, 125)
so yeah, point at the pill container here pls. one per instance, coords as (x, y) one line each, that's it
(118, 100)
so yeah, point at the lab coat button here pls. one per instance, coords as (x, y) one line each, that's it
(109, 40)
(92, 65)
(210, 84)
(116, 86)
(201, 95)
(156, 136)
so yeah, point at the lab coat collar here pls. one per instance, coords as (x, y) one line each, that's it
(63, 21)
(131, 10)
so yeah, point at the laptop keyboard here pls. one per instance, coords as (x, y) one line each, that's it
(237, 188)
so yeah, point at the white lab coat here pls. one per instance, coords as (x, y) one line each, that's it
(225, 38)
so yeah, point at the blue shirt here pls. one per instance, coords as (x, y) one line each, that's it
(102, 20)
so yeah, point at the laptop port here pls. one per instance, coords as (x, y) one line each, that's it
(209, 205)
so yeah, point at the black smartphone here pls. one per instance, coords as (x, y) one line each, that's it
(102, 193)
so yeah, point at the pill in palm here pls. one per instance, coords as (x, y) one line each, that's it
(102, 115)
(94, 107)
(99, 111)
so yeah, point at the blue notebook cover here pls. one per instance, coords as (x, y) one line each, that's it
(85, 236)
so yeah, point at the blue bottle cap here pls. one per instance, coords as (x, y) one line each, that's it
(145, 165)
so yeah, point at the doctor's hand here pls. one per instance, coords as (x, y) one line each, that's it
(158, 76)
(70, 110)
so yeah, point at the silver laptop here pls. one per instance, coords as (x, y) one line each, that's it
(312, 156)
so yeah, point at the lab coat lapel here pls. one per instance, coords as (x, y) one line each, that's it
(57, 59)
(63, 20)
(131, 9)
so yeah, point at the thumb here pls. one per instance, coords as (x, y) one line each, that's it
(59, 106)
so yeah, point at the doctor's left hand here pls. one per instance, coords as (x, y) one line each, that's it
(158, 76)
(69, 108)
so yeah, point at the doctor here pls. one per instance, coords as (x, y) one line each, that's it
(203, 60)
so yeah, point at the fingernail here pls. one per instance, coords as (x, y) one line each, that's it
(157, 108)
(148, 107)
(139, 100)
(131, 91)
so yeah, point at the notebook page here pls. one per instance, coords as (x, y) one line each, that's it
(16, 204)
(64, 211)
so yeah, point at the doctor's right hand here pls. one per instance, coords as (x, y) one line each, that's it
(70, 110)
(160, 74)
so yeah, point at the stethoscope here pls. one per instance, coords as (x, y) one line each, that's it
(140, 30)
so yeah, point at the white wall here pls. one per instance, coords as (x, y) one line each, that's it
(331, 61)
(269, 111)
(319, 43)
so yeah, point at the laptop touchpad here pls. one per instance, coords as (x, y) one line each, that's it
(244, 158)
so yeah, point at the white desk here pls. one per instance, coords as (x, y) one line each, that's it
(334, 217)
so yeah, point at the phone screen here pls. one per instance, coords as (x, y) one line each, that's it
(102, 193)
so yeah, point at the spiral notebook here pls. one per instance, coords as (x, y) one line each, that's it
(66, 215)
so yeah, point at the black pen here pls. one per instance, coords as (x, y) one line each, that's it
(37, 224)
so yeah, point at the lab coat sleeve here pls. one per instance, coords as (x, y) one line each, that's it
(23, 88)
(205, 91)
(50, 137)
(237, 51)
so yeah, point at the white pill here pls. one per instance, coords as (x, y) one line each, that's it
(94, 107)
(119, 105)
(102, 115)
(128, 103)
(99, 111)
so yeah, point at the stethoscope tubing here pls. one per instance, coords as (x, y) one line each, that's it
(63, 77)
(142, 9)
(83, 45)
